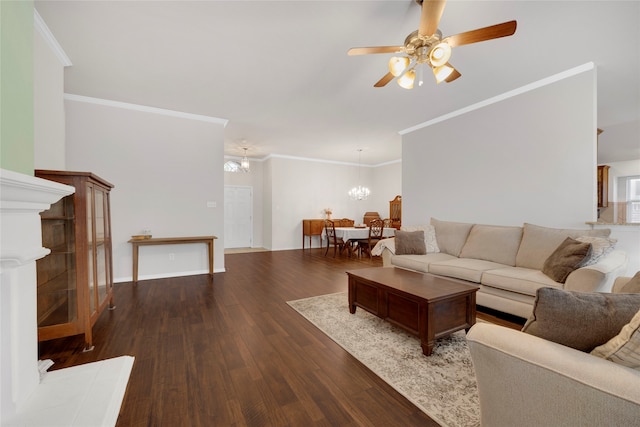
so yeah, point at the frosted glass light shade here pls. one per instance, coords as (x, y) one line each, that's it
(440, 54)
(406, 81)
(441, 73)
(397, 65)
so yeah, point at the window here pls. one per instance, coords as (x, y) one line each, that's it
(232, 166)
(633, 199)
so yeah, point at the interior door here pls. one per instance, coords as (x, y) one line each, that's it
(238, 218)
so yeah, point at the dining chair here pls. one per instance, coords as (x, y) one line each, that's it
(332, 240)
(388, 223)
(346, 222)
(376, 227)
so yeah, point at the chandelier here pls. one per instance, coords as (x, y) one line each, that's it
(244, 163)
(359, 192)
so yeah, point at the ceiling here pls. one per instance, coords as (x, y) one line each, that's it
(279, 70)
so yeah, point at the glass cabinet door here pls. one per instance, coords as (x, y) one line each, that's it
(102, 244)
(57, 285)
(91, 250)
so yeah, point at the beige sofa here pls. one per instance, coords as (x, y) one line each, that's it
(524, 380)
(506, 261)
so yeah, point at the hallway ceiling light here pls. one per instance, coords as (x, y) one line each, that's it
(244, 163)
(359, 192)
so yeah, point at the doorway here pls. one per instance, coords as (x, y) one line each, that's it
(238, 216)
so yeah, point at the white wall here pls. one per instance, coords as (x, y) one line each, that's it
(48, 102)
(165, 169)
(302, 189)
(530, 157)
(619, 143)
(386, 185)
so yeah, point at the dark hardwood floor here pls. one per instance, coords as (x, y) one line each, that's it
(229, 351)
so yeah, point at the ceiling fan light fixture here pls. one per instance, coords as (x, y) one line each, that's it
(442, 72)
(439, 55)
(406, 80)
(397, 64)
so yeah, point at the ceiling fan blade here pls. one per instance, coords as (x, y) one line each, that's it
(377, 49)
(481, 34)
(454, 75)
(383, 81)
(430, 16)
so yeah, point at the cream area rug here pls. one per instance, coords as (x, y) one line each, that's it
(442, 385)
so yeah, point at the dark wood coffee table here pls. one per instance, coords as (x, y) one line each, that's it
(425, 305)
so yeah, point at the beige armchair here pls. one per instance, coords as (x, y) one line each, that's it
(525, 381)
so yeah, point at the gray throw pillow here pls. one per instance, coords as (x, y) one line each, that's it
(581, 320)
(566, 258)
(410, 243)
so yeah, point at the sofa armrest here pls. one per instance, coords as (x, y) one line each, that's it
(524, 380)
(385, 248)
(598, 277)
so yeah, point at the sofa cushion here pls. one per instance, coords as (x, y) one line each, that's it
(410, 243)
(419, 262)
(600, 248)
(519, 280)
(624, 348)
(493, 243)
(463, 268)
(581, 320)
(566, 258)
(451, 236)
(539, 242)
(632, 286)
(429, 235)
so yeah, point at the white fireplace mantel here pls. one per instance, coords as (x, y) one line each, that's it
(22, 198)
(89, 394)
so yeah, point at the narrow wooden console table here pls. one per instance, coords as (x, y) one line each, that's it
(136, 243)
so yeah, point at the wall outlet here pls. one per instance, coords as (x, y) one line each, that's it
(172, 257)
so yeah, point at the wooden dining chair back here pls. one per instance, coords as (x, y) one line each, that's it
(376, 228)
(332, 240)
(346, 222)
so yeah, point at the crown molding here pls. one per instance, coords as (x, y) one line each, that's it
(526, 88)
(335, 162)
(145, 109)
(49, 38)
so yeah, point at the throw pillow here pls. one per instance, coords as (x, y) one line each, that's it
(451, 236)
(566, 258)
(624, 348)
(539, 242)
(632, 286)
(429, 236)
(410, 243)
(600, 247)
(581, 320)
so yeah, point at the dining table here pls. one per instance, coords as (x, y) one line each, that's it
(348, 234)
(357, 233)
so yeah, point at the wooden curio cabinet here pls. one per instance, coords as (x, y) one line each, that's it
(75, 281)
(603, 186)
(395, 212)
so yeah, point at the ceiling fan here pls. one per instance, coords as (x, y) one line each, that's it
(426, 46)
